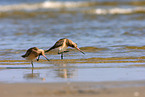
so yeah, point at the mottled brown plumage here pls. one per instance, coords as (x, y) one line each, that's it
(62, 45)
(33, 53)
(31, 50)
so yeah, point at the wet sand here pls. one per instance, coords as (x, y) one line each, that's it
(77, 89)
(131, 59)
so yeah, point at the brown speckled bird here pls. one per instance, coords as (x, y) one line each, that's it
(62, 45)
(33, 53)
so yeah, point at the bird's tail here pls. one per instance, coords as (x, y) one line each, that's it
(47, 50)
(23, 56)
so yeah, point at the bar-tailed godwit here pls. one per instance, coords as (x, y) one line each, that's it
(33, 53)
(62, 45)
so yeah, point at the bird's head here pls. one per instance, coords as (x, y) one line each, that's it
(42, 52)
(74, 45)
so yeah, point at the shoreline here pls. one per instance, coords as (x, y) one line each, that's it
(71, 89)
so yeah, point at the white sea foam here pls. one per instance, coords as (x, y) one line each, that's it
(19, 7)
(68, 4)
(79, 4)
(44, 5)
(119, 10)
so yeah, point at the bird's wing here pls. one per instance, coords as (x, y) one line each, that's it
(29, 51)
(56, 45)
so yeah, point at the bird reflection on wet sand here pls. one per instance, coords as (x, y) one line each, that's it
(64, 72)
(33, 75)
(60, 71)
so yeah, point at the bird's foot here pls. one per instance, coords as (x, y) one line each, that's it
(63, 52)
(66, 51)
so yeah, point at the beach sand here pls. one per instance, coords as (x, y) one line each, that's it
(74, 89)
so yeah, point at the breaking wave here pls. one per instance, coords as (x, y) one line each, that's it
(86, 7)
(45, 5)
(120, 10)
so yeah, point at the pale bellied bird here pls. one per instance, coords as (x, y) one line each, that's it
(62, 45)
(33, 53)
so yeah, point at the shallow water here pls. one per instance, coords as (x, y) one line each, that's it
(80, 70)
(110, 33)
(73, 72)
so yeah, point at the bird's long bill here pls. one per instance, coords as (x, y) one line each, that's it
(46, 57)
(80, 50)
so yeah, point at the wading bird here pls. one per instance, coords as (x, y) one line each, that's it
(62, 45)
(33, 53)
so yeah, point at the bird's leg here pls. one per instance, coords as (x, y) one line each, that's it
(32, 64)
(38, 58)
(62, 55)
(59, 52)
(32, 71)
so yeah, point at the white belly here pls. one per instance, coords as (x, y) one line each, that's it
(31, 57)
